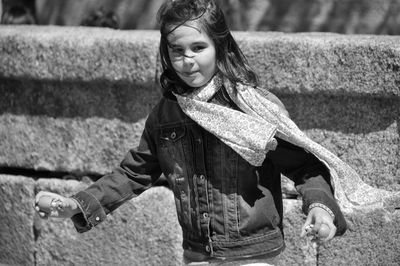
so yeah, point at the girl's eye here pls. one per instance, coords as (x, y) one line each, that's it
(177, 50)
(198, 49)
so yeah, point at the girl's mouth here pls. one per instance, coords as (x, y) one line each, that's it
(189, 74)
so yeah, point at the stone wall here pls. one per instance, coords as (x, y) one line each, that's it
(349, 17)
(74, 100)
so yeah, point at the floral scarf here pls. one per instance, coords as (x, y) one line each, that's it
(251, 134)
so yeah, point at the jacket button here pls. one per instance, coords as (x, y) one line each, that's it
(208, 248)
(173, 135)
(201, 177)
(97, 218)
(205, 215)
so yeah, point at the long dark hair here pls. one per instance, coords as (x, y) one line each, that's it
(231, 62)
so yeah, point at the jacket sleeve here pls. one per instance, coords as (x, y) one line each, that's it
(311, 178)
(138, 171)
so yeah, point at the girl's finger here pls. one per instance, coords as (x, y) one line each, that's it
(317, 226)
(332, 232)
(43, 215)
(37, 197)
(306, 226)
(324, 232)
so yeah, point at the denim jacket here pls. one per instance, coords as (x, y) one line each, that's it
(226, 207)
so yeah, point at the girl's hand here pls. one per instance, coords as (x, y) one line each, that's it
(48, 204)
(320, 224)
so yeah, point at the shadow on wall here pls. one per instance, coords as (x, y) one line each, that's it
(349, 17)
(354, 115)
(128, 102)
(340, 113)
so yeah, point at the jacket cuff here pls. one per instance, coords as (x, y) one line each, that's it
(313, 197)
(92, 212)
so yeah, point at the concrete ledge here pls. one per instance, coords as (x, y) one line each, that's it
(60, 112)
(362, 131)
(372, 239)
(325, 63)
(77, 54)
(92, 145)
(306, 62)
(144, 231)
(75, 100)
(17, 243)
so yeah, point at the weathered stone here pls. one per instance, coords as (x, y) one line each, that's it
(59, 112)
(16, 220)
(78, 54)
(91, 145)
(299, 251)
(372, 239)
(362, 65)
(286, 63)
(362, 131)
(87, 125)
(144, 231)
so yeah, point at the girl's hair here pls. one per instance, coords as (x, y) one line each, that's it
(231, 62)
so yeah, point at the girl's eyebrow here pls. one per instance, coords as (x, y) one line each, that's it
(172, 45)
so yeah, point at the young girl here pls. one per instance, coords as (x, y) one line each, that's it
(222, 147)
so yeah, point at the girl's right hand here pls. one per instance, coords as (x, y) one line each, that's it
(49, 204)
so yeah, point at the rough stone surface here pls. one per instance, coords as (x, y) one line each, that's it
(128, 102)
(72, 102)
(144, 231)
(66, 115)
(325, 63)
(307, 62)
(77, 54)
(81, 146)
(362, 131)
(372, 239)
(16, 220)
(299, 251)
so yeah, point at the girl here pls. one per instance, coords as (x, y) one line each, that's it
(222, 147)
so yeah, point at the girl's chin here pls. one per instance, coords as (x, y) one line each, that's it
(196, 82)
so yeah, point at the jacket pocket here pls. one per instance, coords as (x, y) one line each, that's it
(173, 145)
(173, 154)
(172, 134)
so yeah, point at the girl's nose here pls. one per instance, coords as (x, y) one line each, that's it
(188, 59)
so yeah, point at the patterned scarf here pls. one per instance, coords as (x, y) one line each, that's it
(251, 135)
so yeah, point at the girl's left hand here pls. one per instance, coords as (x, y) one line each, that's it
(320, 222)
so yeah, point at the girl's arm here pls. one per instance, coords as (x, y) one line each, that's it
(138, 171)
(312, 180)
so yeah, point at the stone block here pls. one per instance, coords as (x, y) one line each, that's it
(17, 239)
(363, 131)
(372, 239)
(77, 54)
(144, 231)
(91, 145)
(324, 63)
(299, 251)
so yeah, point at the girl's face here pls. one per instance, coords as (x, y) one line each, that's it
(192, 54)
